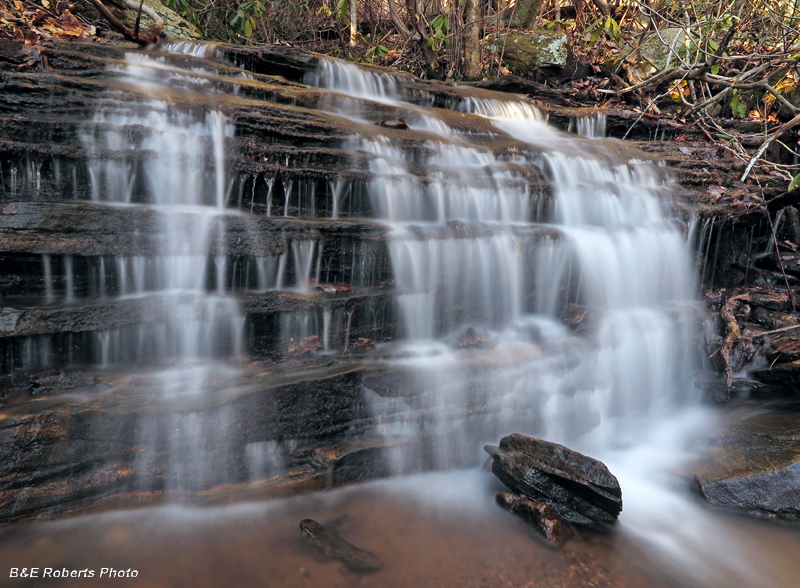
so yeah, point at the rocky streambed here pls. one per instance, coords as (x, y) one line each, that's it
(316, 398)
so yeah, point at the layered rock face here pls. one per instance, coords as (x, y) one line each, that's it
(221, 278)
(555, 486)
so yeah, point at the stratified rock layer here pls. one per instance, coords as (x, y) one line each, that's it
(580, 489)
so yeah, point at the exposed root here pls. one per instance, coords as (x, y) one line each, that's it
(733, 335)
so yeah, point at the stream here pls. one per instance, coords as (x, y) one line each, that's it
(434, 272)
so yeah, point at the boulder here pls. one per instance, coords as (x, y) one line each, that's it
(526, 53)
(175, 28)
(658, 50)
(554, 529)
(578, 488)
(753, 466)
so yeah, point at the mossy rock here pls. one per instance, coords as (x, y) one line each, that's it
(526, 54)
(175, 27)
(658, 51)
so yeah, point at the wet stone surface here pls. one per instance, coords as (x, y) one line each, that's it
(574, 487)
(753, 464)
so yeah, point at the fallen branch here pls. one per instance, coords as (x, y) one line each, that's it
(765, 145)
(142, 39)
(140, 8)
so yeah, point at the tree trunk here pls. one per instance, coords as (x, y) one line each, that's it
(527, 11)
(417, 33)
(353, 17)
(472, 35)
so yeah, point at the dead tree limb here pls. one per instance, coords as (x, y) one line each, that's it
(777, 133)
(141, 7)
(138, 18)
(142, 39)
(418, 35)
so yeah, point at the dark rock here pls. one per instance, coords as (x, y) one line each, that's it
(577, 318)
(753, 467)
(716, 391)
(541, 517)
(472, 337)
(393, 124)
(785, 374)
(577, 487)
(334, 547)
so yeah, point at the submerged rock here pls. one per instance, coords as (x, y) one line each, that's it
(334, 547)
(578, 488)
(541, 517)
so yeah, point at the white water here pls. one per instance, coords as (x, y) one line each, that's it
(177, 169)
(622, 392)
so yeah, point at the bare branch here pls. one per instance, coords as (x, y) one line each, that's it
(778, 132)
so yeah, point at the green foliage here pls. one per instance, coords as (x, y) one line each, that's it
(611, 26)
(596, 30)
(245, 17)
(439, 26)
(375, 51)
(793, 183)
(600, 26)
(738, 108)
(185, 9)
(341, 10)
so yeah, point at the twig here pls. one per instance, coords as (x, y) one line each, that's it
(765, 145)
(138, 18)
(117, 24)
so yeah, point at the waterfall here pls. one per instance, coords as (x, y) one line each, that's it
(178, 170)
(470, 254)
(420, 270)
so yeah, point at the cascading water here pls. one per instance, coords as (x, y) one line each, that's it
(460, 216)
(181, 175)
(517, 280)
(610, 251)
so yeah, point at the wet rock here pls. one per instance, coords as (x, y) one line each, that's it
(361, 344)
(393, 124)
(472, 338)
(784, 345)
(716, 391)
(577, 318)
(753, 466)
(334, 547)
(580, 489)
(305, 346)
(541, 517)
(787, 374)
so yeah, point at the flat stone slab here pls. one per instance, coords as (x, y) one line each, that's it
(753, 466)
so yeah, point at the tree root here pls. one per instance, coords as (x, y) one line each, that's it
(733, 335)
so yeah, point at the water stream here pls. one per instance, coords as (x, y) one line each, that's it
(486, 266)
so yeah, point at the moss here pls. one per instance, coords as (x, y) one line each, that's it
(526, 53)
